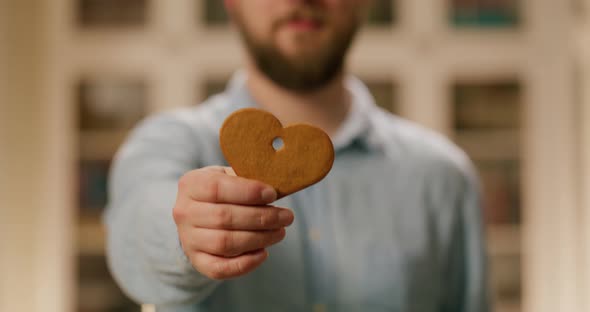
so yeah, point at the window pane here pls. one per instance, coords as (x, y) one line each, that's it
(101, 13)
(485, 13)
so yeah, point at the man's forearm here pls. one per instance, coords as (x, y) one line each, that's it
(143, 247)
(144, 252)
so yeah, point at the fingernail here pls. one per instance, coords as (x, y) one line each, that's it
(264, 255)
(285, 217)
(269, 195)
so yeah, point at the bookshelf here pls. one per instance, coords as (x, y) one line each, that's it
(107, 106)
(486, 124)
(438, 63)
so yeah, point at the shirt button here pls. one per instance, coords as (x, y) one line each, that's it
(318, 307)
(314, 234)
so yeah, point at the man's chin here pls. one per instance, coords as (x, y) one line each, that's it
(302, 57)
(301, 44)
(302, 52)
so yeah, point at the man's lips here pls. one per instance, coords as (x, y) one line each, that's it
(303, 24)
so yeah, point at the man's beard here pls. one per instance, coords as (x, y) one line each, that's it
(302, 73)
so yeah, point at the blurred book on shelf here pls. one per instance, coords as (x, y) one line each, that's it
(384, 93)
(111, 13)
(487, 118)
(501, 191)
(107, 109)
(487, 125)
(487, 106)
(506, 276)
(93, 176)
(97, 291)
(111, 103)
(381, 14)
(485, 13)
(213, 12)
(212, 87)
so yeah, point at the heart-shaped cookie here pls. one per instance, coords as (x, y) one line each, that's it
(305, 158)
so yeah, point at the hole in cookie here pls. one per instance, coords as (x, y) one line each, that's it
(277, 143)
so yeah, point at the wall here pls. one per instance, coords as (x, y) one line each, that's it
(21, 138)
(32, 266)
(583, 47)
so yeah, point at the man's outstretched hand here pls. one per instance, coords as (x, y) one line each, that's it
(225, 222)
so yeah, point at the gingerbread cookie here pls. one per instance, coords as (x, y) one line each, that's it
(305, 158)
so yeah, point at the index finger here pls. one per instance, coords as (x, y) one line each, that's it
(239, 217)
(214, 185)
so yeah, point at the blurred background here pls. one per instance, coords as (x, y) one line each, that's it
(507, 80)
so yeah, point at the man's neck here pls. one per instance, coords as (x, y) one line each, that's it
(325, 108)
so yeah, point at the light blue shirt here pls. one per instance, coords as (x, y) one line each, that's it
(395, 226)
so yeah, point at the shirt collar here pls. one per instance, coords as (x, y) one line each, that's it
(357, 126)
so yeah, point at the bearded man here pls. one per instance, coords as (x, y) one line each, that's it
(395, 226)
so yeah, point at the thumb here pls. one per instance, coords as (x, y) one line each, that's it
(229, 171)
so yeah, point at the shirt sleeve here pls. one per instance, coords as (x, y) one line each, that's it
(143, 248)
(466, 274)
